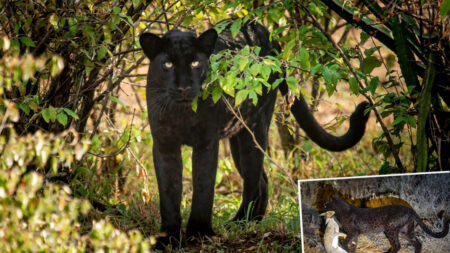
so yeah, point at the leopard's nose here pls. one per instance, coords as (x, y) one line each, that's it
(184, 91)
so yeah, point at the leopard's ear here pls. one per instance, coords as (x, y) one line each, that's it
(207, 40)
(151, 44)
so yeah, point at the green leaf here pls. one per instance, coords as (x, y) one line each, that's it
(46, 115)
(316, 68)
(373, 85)
(370, 51)
(258, 86)
(235, 27)
(315, 9)
(287, 50)
(445, 8)
(221, 26)
(257, 50)
(265, 71)
(101, 52)
(89, 30)
(136, 3)
(330, 88)
(194, 104)
(71, 113)
(53, 165)
(241, 62)
(275, 14)
(85, 52)
(364, 37)
(127, 19)
(24, 108)
(390, 61)
(240, 97)
(27, 42)
(52, 112)
(277, 82)
(307, 146)
(369, 63)
(304, 58)
(292, 84)
(62, 118)
(227, 83)
(116, 10)
(255, 69)
(116, 100)
(327, 74)
(354, 85)
(252, 94)
(216, 93)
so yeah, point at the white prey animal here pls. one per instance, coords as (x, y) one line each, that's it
(331, 236)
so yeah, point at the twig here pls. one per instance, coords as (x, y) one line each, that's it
(239, 117)
(165, 16)
(134, 75)
(362, 86)
(162, 22)
(128, 51)
(138, 100)
(133, 84)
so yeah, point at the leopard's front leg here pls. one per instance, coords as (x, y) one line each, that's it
(168, 167)
(204, 168)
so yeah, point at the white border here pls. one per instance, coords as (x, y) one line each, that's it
(345, 178)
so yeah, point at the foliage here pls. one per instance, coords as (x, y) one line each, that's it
(84, 42)
(412, 30)
(36, 214)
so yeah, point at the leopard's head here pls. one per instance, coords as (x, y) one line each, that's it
(179, 63)
(331, 204)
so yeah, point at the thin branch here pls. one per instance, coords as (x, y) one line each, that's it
(134, 75)
(165, 16)
(127, 51)
(162, 22)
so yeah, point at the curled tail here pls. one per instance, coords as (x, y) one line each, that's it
(424, 227)
(314, 130)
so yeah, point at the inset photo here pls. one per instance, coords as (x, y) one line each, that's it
(389, 213)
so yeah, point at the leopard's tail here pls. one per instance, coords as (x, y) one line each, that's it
(314, 130)
(441, 234)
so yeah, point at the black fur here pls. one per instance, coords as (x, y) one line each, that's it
(170, 91)
(388, 219)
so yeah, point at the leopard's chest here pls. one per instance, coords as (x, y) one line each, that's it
(188, 127)
(210, 121)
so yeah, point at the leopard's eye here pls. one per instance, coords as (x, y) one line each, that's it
(195, 64)
(168, 64)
